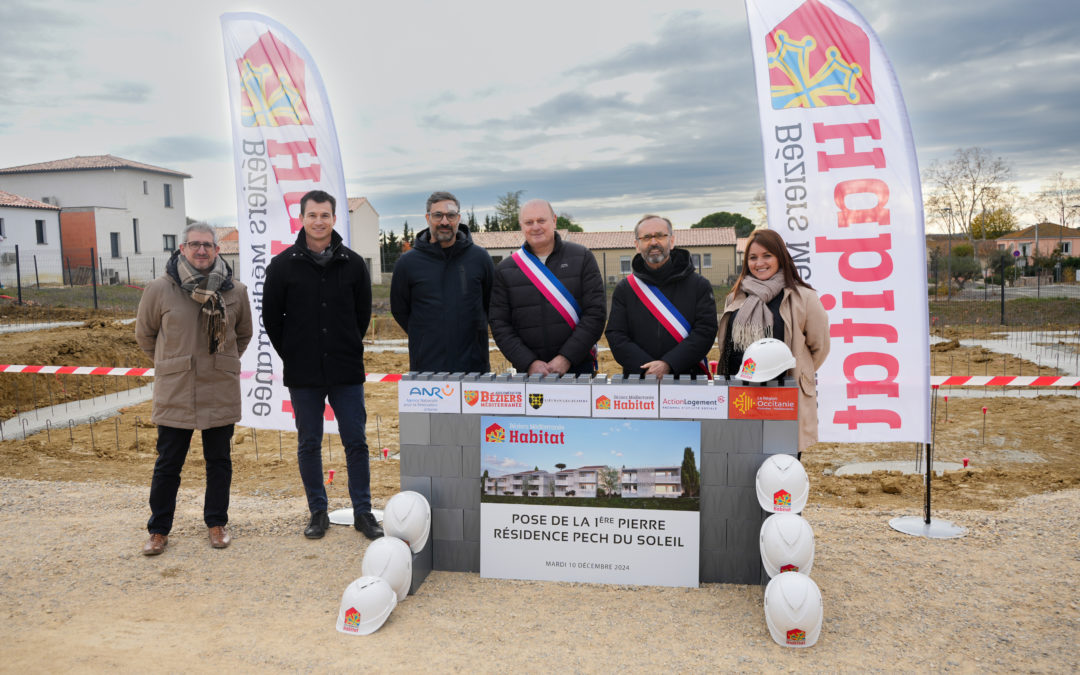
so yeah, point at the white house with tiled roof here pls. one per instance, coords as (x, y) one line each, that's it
(31, 228)
(364, 235)
(711, 248)
(130, 213)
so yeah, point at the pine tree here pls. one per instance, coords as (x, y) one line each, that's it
(691, 479)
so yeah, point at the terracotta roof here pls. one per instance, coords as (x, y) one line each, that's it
(90, 163)
(357, 202)
(227, 234)
(8, 199)
(595, 241)
(1046, 230)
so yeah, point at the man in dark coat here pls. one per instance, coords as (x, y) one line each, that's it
(532, 333)
(316, 309)
(639, 341)
(440, 294)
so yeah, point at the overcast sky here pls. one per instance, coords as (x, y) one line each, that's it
(608, 108)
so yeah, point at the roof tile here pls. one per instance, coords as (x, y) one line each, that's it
(90, 163)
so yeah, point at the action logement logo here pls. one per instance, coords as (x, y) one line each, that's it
(272, 89)
(495, 434)
(352, 620)
(818, 59)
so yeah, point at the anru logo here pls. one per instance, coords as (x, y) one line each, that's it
(471, 397)
(743, 403)
(536, 400)
(433, 392)
(603, 403)
(272, 85)
(818, 59)
(495, 434)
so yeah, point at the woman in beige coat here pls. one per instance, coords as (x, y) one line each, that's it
(769, 299)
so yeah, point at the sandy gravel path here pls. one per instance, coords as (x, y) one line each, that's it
(75, 594)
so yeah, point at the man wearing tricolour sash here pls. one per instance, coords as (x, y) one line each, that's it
(547, 302)
(663, 316)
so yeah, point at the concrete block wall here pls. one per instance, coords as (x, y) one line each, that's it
(440, 459)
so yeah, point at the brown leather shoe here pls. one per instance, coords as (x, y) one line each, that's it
(156, 544)
(219, 537)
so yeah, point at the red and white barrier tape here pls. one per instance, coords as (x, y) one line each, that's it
(935, 381)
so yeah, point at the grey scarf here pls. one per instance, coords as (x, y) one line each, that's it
(205, 289)
(754, 321)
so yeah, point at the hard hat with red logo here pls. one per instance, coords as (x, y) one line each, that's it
(765, 359)
(782, 485)
(365, 606)
(793, 610)
(786, 544)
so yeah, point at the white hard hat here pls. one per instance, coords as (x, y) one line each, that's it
(391, 559)
(786, 544)
(365, 605)
(793, 610)
(765, 359)
(782, 485)
(407, 516)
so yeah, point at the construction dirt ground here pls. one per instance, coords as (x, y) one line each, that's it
(76, 594)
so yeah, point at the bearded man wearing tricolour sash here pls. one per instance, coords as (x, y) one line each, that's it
(547, 302)
(663, 316)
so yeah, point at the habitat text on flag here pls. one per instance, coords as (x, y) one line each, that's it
(842, 188)
(284, 145)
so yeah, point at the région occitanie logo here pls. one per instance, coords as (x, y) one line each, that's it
(272, 90)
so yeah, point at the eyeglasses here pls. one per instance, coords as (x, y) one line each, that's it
(451, 216)
(659, 236)
(208, 245)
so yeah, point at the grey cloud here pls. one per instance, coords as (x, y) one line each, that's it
(32, 51)
(122, 92)
(167, 150)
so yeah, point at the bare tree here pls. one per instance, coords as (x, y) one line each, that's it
(1058, 200)
(971, 182)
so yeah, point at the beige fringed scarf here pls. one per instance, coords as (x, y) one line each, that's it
(754, 321)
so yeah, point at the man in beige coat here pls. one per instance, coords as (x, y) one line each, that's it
(194, 321)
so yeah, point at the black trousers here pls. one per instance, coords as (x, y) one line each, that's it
(172, 448)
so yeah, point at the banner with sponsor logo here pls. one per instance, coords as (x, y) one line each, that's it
(591, 500)
(564, 400)
(441, 396)
(625, 400)
(842, 188)
(694, 401)
(493, 398)
(284, 145)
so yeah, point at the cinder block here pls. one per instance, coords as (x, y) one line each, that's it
(731, 436)
(431, 460)
(739, 503)
(420, 484)
(470, 461)
(713, 533)
(780, 437)
(743, 537)
(714, 468)
(456, 556)
(421, 566)
(447, 524)
(455, 493)
(742, 469)
(451, 429)
(711, 566)
(471, 524)
(414, 428)
(740, 570)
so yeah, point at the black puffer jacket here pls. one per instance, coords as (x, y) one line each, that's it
(440, 298)
(525, 325)
(636, 337)
(316, 316)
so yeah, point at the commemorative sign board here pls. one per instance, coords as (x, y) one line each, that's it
(488, 398)
(688, 401)
(559, 400)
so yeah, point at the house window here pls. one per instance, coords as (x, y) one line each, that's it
(39, 225)
(1024, 250)
(367, 261)
(706, 260)
(624, 264)
(2, 233)
(146, 187)
(496, 259)
(114, 244)
(696, 257)
(1066, 247)
(168, 196)
(135, 233)
(168, 242)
